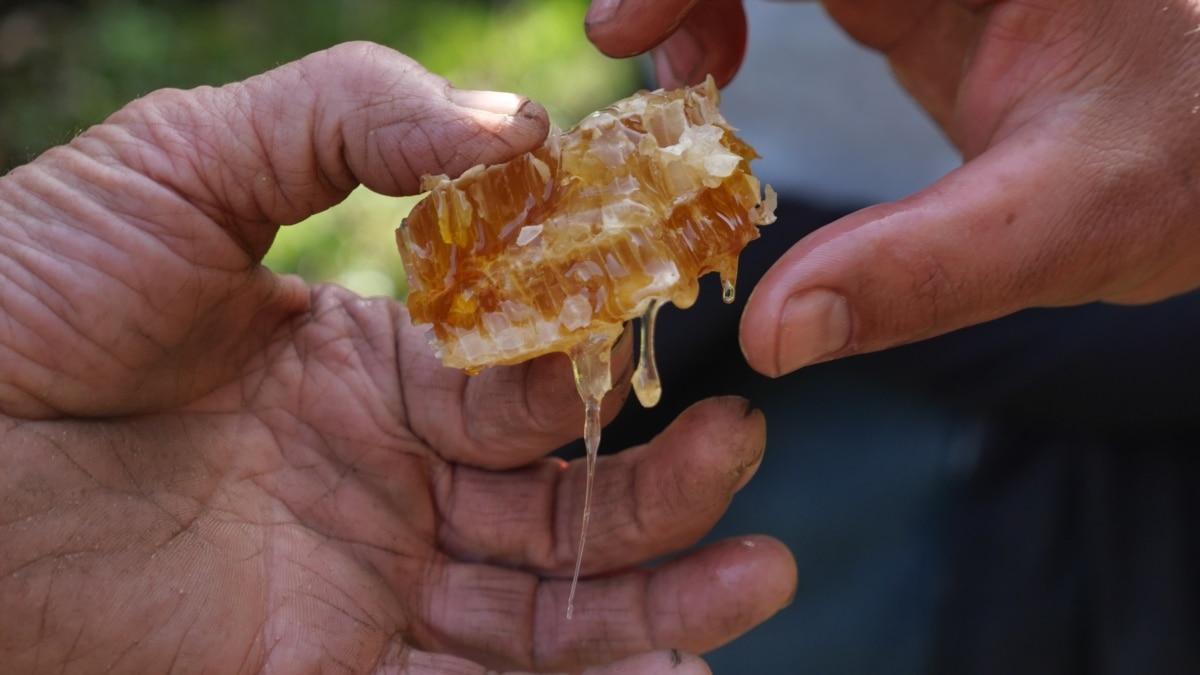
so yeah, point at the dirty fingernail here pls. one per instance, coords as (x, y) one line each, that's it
(814, 325)
(746, 470)
(498, 102)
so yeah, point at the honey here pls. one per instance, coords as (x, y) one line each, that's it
(557, 249)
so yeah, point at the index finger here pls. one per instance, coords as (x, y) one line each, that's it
(691, 39)
(505, 416)
(623, 28)
(650, 500)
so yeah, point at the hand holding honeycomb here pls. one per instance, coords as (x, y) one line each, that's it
(555, 250)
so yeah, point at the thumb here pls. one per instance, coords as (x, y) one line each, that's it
(296, 140)
(1038, 220)
(133, 252)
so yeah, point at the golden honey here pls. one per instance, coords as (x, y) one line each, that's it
(555, 250)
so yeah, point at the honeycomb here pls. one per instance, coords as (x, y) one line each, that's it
(557, 249)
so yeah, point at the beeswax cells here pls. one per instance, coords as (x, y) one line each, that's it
(563, 245)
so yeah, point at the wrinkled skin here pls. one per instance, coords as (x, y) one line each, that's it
(206, 467)
(1078, 120)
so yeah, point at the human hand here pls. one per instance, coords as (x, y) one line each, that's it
(1078, 122)
(209, 467)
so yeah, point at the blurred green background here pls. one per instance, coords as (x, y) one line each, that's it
(66, 65)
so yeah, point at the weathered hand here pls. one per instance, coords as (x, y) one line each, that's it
(1079, 122)
(209, 468)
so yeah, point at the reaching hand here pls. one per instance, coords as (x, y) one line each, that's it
(206, 467)
(1078, 120)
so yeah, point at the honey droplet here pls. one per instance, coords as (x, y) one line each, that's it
(591, 435)
(646, 384)
(728, 290)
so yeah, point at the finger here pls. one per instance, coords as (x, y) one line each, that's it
(294, 141)
(404, 660)
(621, 28)
(505, 416)
(696, 603)
(693, 39)
(710, 41)
(985, 241)
(648, 501)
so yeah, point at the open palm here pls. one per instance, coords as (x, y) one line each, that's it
(210, 468)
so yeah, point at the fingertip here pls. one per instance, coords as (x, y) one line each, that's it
(813, 325)
(532, 115)
(701, 459)
(756, 337)
(724, 434)
(711, 41)
(725, 424)
(627, 28)
(799, 314)
(691, 39)
(779, 567)
(389, 121)
(502, 103)
(762, 571)
(673, 489)
(624, 28)
(704, 45)
(520, 123)
(679, 61)
(748, 466)
(754, 354)
(722, 590)
(982, 242)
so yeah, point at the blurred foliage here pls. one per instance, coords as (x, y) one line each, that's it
(67, 64)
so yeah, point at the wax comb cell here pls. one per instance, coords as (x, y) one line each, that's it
(555, 250)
